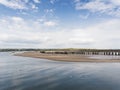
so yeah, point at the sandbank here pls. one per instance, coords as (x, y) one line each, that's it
(64, 57)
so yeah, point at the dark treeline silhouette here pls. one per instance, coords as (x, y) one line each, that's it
(7, 50)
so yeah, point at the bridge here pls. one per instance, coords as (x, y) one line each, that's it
(113, 52)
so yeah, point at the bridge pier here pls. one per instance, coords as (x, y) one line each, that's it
(85, 52)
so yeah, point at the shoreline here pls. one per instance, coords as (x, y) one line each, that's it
(63, 57)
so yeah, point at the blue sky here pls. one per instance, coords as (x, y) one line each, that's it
(59, 23)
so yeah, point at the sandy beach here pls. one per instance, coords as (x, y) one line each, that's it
(63, 57)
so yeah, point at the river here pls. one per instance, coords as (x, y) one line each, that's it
(24, 73)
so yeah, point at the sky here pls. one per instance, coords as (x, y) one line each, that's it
(60, 24)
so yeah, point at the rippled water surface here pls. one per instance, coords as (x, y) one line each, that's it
(23, 73)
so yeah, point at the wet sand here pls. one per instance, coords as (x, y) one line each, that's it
(63, 57)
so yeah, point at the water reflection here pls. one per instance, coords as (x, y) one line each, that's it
(22, 73)
(104, 57)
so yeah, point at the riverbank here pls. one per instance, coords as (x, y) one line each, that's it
(63, 57)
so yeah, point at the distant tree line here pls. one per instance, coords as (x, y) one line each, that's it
(70, 51)
(8, 50)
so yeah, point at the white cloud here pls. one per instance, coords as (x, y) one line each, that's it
(33, 6)
(14, 4)
(50, 23)
(18, 32)
(52, 1)
(36, 1)
(95, 6)
(49, 10)
(80, 41)
(20, 4)
(109, 7)
(116, 2)
(17, 19)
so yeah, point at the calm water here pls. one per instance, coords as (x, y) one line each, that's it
(22, 73)
(104, 57)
